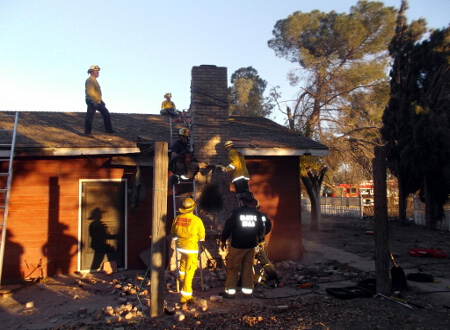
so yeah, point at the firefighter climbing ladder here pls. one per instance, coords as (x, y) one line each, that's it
(6, 158)
(186, 122)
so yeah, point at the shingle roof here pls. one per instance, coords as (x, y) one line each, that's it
(64, 130)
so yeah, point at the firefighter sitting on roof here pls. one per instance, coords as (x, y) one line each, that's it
(168, 107)
(182, 163)
(187, 230)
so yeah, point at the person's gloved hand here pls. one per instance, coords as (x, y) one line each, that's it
(223, 245)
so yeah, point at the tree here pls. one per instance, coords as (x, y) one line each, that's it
(343, 57)
(431, 131)
(312, 180)
(246, 97)
(397, 118)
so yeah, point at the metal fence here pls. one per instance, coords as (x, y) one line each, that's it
(344, 207)
(356, 208)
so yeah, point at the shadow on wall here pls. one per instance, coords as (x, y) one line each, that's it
(12, 260)
(100, 235)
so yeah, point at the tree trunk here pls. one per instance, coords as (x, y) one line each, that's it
(313, 183)
(380, 224)
(314, 198)
(431, 206)
(402, 203)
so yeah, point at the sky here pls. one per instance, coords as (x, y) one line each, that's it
(146, 48)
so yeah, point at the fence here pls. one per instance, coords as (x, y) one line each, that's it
(344, 207)
(354, 207)
(419, 215)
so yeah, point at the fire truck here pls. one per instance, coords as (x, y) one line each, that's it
(364, 190)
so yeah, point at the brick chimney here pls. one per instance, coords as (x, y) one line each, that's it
(209, 111)
(210, 130)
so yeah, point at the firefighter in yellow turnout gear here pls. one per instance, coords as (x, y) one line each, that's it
(187, 230)
(237, 166)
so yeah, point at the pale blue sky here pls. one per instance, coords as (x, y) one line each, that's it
(146, 48)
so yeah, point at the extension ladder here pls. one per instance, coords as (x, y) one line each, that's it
(184, 121)
(9, 131)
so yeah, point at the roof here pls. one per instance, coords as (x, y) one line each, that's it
(61, 133)
(257, 136)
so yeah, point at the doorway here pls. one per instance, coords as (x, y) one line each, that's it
(102, 224)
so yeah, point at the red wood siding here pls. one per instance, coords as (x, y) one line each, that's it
(43, 215)
(275, 182)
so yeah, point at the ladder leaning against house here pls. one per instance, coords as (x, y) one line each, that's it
(8, 134)
(185, 121)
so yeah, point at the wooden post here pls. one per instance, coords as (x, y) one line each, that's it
(159, 216)
(381, 224)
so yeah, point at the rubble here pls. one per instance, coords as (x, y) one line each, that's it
(122, 299)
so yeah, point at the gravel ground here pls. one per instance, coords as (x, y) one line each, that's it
(118, 301)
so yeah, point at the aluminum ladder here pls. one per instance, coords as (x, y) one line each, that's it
(8, 134)
(184, 121)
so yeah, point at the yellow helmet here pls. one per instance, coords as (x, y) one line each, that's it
(183, 132)
(168, 95)
(188, 205)
(94, 68)
(228, 144)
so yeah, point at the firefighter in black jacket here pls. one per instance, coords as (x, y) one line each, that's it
(182, 163)
(246, 228)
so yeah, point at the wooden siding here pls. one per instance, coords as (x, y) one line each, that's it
(275, 182)
(43, 215)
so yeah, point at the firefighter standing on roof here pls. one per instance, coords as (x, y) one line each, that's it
(240, 176)
(94, 102)
(187, 230)
(246, 228)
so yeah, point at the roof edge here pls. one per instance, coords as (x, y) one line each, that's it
(283, 152)
(74, 151)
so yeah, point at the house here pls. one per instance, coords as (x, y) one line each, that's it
(78, 201)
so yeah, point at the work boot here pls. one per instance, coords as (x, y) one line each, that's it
(226, 295)
(174, 179)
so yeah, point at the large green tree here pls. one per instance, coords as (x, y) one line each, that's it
(342, 57)
(246, 97)
(398, 117)
(431, 131)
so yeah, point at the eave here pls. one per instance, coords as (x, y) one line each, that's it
(36, 152)
(283, 152)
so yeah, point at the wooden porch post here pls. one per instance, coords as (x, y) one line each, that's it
(159, 216)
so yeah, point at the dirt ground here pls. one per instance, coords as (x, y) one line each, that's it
(121, 300)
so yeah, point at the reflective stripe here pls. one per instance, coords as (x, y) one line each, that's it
(230, 291)
(240, 177)
(181, 273)
(184, 293)
(187, 251)
(232, 166)
(247, 291)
